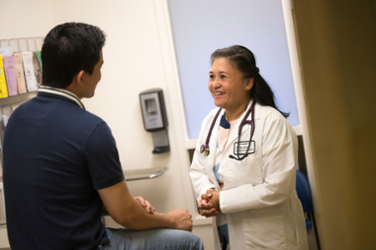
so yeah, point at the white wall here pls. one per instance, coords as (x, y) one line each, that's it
(133, 63)
(24, 18)
(135, 60)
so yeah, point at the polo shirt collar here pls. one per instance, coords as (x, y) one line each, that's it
(61, 92)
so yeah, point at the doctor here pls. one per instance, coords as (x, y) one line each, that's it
(243, 170)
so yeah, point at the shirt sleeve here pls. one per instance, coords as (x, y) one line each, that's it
(103, 158)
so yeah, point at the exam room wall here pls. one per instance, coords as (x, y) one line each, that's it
(133, 63)
(338, 57)
(25, 18)
(135, 60)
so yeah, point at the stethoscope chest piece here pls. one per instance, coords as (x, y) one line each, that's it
(205, 149)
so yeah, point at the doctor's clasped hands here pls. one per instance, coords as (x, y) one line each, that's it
(209, 203)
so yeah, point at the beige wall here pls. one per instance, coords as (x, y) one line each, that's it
(338, 57)
(135, 60)
(23, 18)
(133, 63)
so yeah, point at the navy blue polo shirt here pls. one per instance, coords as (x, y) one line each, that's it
(56, 157)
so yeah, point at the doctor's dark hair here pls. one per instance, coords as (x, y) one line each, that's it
(67, 49)
(243, 59)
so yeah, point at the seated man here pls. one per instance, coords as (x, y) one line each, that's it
(61, 164)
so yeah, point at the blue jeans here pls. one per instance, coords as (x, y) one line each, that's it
(154, 239)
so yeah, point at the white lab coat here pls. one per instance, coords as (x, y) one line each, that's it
(258, 198)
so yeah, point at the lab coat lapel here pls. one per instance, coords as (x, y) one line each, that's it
(213, 150)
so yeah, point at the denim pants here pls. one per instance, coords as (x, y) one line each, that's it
(153, 239)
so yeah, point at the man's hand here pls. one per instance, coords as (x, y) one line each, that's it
(182, 219)
(209, 203)
(145, 204)
(132, 212)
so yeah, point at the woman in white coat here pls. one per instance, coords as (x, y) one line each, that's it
(244, 167)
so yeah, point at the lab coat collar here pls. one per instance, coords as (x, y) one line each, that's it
(257, 114)
(234, 132)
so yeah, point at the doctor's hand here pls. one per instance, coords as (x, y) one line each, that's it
(145, 204)
(209, 203)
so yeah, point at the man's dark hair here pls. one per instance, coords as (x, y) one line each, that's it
(69, 48)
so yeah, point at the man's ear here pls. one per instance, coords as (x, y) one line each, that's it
(249, 83)
(80, 78)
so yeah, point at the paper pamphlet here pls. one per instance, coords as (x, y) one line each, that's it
(6, 112)
(4, 119)
(3, 83)
(31, 82)
(10, 75)
(6, 51)
(2, 205)
(38, 55)
(21, 86)
(1, 149)
(37, 71)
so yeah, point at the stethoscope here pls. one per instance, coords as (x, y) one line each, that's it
(205, 147)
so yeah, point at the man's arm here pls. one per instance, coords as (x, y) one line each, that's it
(144, 203)
(128, 212)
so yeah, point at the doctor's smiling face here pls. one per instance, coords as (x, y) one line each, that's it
(228, 88)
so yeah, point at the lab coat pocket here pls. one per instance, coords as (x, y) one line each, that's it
(266, 233)
(247, 171)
